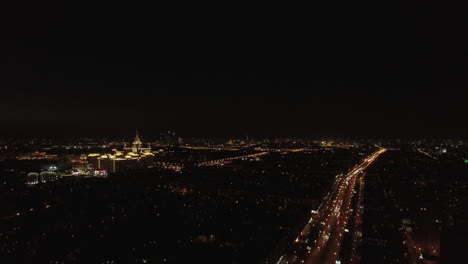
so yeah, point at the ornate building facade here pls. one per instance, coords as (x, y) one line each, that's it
(137, 146)
(132, 157)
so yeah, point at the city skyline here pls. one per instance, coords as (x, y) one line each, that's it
(238, 134)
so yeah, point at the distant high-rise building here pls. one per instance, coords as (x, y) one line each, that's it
(137, 146)
(135, 156)
(169, 138)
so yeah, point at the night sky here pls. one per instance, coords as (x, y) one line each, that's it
(78, 69)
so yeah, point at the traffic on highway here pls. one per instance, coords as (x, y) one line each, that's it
(321, 239)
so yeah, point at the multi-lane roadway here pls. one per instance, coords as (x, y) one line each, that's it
(321, 239)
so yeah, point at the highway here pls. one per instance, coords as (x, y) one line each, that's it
(320, 241)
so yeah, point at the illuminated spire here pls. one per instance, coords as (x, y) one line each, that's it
(137, 138)
(136, 143)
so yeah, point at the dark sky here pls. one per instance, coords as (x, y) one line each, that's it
(79, 68)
